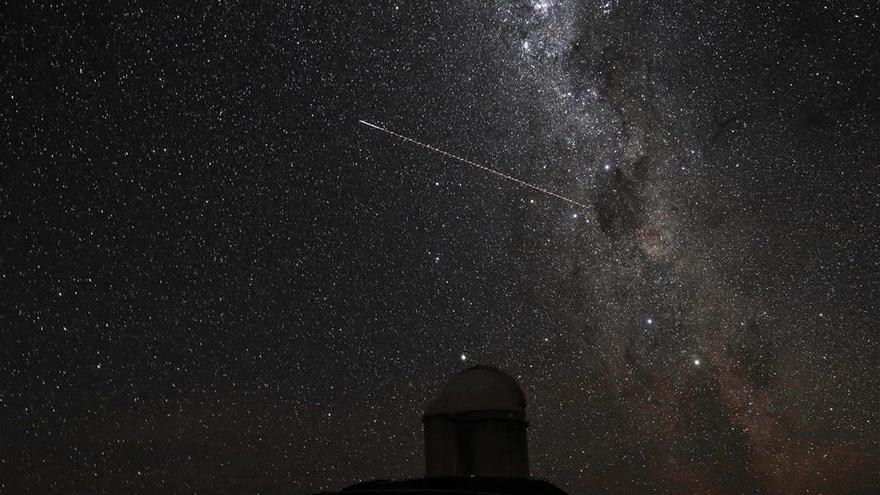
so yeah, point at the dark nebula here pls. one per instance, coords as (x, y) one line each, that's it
(214, 280)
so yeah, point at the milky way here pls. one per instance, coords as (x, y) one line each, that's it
(215, 280)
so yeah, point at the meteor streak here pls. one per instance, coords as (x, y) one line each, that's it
(483, 167)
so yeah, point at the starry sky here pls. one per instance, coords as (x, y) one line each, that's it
(214, 279)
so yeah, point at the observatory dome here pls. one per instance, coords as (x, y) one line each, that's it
(479, 388)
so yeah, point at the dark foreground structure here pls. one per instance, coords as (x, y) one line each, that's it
(475, 442)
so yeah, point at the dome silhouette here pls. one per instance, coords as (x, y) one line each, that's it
(479, 388)
(475, 442)
(476, 426)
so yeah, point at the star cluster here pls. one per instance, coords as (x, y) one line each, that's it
(215, 280)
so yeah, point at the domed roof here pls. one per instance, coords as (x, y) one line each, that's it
(479, 388)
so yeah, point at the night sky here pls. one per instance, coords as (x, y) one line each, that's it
(214, 279)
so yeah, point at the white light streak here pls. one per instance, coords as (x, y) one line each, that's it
(483, 167)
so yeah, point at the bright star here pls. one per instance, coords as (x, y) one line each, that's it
(696, 362)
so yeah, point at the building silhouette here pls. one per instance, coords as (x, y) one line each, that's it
(475, 442)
